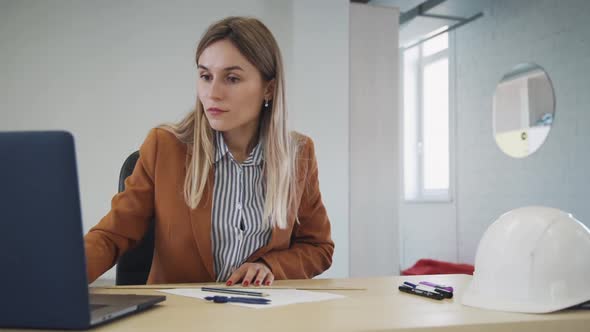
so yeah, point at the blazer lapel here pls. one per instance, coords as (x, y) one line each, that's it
(277, 237)
(201, 225)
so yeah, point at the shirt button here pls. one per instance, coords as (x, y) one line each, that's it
(239, 206)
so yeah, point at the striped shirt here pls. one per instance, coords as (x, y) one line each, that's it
(238, 202)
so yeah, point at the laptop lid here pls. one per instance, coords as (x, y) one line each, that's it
(43, 272)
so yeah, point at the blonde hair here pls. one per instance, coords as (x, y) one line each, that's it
(255, 42)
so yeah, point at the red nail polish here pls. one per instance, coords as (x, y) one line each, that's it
(267, 283)
(257, 282)
(229, 283)
(246, 283)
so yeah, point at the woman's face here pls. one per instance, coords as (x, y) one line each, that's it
(230, 88)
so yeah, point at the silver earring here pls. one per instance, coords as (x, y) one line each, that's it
(266, 103)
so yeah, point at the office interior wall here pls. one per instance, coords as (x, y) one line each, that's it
(374, 141)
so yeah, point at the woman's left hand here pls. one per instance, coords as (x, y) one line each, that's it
(256, 274)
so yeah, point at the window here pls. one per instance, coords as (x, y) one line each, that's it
(426, 125)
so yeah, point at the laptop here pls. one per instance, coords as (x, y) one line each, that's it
(42, 260)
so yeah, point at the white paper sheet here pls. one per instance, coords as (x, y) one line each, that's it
(279, 297)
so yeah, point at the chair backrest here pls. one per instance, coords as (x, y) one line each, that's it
(134, 265)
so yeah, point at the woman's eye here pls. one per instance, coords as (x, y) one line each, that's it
(233, 79)
(205, 77)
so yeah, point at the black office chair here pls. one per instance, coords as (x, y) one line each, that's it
(134, 265)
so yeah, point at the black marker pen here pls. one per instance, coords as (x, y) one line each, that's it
(420, 292)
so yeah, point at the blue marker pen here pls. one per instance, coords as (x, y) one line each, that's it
(410, 284)
(446, 291)
(431, 284)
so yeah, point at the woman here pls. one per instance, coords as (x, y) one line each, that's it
(235, 195)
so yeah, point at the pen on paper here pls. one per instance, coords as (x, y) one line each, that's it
(232, 291)
(237, 299)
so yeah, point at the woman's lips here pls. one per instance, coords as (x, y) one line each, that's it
(215, 111)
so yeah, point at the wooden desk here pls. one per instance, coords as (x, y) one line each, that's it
(381, 307)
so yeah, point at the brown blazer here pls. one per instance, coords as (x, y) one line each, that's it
(182, 249)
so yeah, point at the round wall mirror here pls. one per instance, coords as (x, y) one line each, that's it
(524, 109)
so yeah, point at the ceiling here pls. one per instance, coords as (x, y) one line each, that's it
(414, 26)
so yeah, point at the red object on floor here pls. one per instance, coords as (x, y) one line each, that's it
(431, 266)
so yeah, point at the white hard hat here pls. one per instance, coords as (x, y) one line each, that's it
(532, 259)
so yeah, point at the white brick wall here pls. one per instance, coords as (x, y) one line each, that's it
(555, 35)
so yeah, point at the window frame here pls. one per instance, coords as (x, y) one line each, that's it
(423, 195)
